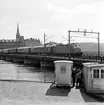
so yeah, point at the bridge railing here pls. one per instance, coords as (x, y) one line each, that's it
(95, 58)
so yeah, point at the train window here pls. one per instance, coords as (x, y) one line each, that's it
(102, 73)
(96, 73)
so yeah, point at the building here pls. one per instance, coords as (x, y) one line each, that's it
(32, 42)
(19, 41)
(7, 44)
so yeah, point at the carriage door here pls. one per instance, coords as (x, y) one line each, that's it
(95, 77)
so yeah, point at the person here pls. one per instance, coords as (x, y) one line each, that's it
(73, 75)
(78, 79)
(81, 79)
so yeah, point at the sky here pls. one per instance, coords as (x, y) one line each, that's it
(52, 17)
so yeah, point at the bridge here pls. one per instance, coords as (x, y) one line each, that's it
(47, 61)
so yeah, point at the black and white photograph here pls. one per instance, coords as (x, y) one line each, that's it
(51, 52)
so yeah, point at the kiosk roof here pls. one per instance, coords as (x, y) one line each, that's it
(62, 61)
(92, 64)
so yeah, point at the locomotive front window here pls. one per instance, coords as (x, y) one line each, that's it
(96, 73)
(102, 73)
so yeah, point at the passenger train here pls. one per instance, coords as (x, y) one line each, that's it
(57, 50)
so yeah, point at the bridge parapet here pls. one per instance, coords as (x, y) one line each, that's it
(44, 58)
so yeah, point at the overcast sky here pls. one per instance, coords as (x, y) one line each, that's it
(53, 17)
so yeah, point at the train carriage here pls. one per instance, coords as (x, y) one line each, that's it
(5, 51)
(49, 49)
(22, 50)
(93, 77)
(40, 50)
(37, 50)
(12, 50)
(1, 51)
(33, 49)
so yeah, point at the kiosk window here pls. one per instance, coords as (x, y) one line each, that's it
(63, 69)
(96, 73)
(102, 73)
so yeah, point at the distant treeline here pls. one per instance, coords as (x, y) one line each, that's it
(91, 48)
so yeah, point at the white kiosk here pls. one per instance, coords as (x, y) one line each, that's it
(93, 77)
(63, 71)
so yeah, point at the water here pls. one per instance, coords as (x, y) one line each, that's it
(13, 71)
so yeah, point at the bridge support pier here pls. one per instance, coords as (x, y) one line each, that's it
(9, 59)
(3, 58)
(0, 57)
(18, 60)
(46, 64)
(32, 62)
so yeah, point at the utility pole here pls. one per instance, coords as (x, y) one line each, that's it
(98, 45)
(45, 39)
(85, 33)
(69, 44)
(44, 42)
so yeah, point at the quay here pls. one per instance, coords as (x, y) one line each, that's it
(33, 93)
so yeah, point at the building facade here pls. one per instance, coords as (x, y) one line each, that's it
(19, 41)
(32, 42)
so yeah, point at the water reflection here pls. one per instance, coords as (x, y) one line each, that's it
(13, 71)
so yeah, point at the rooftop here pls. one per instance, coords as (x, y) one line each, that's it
(93, 64)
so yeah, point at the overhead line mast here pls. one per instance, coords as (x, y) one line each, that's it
(85, 33)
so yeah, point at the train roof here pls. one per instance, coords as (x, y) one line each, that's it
(37, 46)
(11, 48)
(5, 49)
(23, 47)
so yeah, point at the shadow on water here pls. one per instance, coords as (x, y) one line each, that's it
(33, 68)
(90, 97)
(57, 91)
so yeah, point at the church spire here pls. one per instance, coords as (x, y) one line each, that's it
(17, 28)
(17, 34)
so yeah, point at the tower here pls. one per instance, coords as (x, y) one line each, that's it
(17, 34)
